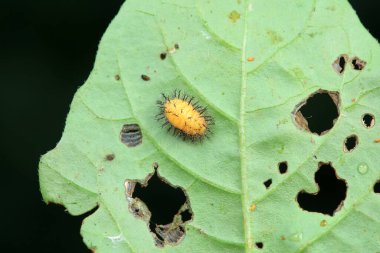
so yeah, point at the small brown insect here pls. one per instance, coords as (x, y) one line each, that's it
(176, 46)
(145, 77)
(377, 140)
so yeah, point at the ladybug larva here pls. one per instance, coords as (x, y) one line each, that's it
(183, 117)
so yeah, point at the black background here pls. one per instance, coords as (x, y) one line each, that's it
(47, 50)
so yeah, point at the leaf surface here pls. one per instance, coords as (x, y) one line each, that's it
(294, 44)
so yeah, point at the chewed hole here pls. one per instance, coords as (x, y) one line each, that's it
(357, 63)
(166, 208)
(368, 120)
(131, 135)
(259, 245)
(163, 200)
(331, 194)
(186, 215)
(350, 143)
(283, 167)
(376, 187)
(339, 64)
(318, 113)
(268, 183)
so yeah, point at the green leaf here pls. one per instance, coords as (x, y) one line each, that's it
(294, 44)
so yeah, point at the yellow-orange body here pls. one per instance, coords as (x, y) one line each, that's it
(182, 115)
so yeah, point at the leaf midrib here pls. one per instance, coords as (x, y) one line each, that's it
(242, 142)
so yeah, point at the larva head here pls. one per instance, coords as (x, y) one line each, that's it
(184, 117)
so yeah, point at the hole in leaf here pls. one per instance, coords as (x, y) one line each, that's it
(163, 200)
(283, 167)
(259, 245)
(186, 215)
(166, 208)
(268, 183)
(357, 63)
(331, 194)
(368, 120)
(131, 135)
(350, 143)
(339, 64)
(376, 187)
(318, 113)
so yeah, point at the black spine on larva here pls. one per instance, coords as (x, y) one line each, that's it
(165, 97)
(202, 111)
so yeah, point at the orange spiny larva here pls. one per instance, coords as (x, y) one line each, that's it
(183, 117)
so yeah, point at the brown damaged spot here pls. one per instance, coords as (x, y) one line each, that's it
(332, 192)
(165, 208)
(110, 157)
(163, 56)
(274, 37)
(323, 223)
(173, 49)
(357, 63)
(145, 77)
(234, 16)
(252, 207)
(318, 113)
(339, 65)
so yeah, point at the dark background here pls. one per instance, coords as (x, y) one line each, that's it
(47, 50)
